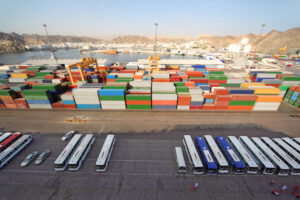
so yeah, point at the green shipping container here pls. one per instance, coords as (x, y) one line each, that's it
(35, 92)
(216, 72)
(291, 78)
(242, 103)
(284, 87)
(179, 84)
(138, 97)
(182, 89)
(112, 98)
(147, 107)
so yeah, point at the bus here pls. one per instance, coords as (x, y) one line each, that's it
(294, 166)
(181, 166)
(281, 168)
(297, 140)
(235, 161)
(9, 140)
(288, 149)
(208, 160)
(292, 143)
(219, 157)
(10, 152)
(81, 152)
(61, 161)
(4, 136)
(252, 167)
(193, 155)
(105, 153)
(265, 165)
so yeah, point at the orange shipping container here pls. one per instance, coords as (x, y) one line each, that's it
(189, 84)
(268, 98)
(164, 102)
(243, 97)
(161, 80)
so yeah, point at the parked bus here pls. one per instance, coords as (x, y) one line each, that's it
(288, 149)
(265, 165)
(235, 161)
(252, 167)
(219, 157)
(4, 136)
(294, 166)
(11, 151)
(9, 140)
(181, 166)
(105, 153)
(193, 155)
(61, 161)
(207, 157)
(297, 140)
(281, 168)
(81, 152)
(292, 143)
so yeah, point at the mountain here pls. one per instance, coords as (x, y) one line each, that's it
(267, 43)
(11, 42)
(35, 39)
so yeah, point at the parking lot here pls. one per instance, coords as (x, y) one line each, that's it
(142, 167)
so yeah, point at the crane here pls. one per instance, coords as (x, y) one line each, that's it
(283, 50)
(86, 63)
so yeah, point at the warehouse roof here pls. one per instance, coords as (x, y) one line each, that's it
(183, 62)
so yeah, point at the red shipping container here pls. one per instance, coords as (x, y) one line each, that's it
(240, 107)
(209, 106)
(70, 106)
(220, 107)
(160, 80)
(23, 67)
(217, 81)
(214, 84)
(221, 91)
(49, 77)
(243, 97)
(175, 78)
(2, 106)
(199, 80)
(195, 107)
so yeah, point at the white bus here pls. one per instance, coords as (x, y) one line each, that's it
(292, 143)
(252, 167)
(221, 161)
(81, 152)
(11, 151)
(61, 161)
(193, 155)
(282, 168)
(265, 165)
(181, 166)
(105, 153)
(288, 149)
(297, 140)
(294, 166)
(4, 136)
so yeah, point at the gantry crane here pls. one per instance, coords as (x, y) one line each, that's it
(153, 62)
(86, 63)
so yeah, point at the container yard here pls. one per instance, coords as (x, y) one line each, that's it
(85, 85)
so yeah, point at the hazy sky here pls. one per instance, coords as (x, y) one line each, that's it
(137, 17)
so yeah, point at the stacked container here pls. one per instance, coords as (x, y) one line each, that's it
(87, 98)
(68, 100)
(38, 98)
(197, 98)
(164, 95)
(7, 98)
(139, 95)
(293, 96)
(112, 99)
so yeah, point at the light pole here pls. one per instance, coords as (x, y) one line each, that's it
(156, 24)
(261, 31)
(51, 49)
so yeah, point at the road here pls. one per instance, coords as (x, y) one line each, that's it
(54, 121)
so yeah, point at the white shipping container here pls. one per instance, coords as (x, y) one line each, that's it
(259, 108)
(267, 104)
(179, 107)
(164, 96)
(195, 91)
(113, 107)
(265, 75)
(41, 106)
(113, 103)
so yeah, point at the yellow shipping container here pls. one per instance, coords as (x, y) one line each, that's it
(266, 91)
(14, 75)
(246, 85)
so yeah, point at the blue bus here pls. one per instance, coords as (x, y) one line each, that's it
(209, 162)
(235, 161)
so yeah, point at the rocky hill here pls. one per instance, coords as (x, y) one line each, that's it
(268, 43)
